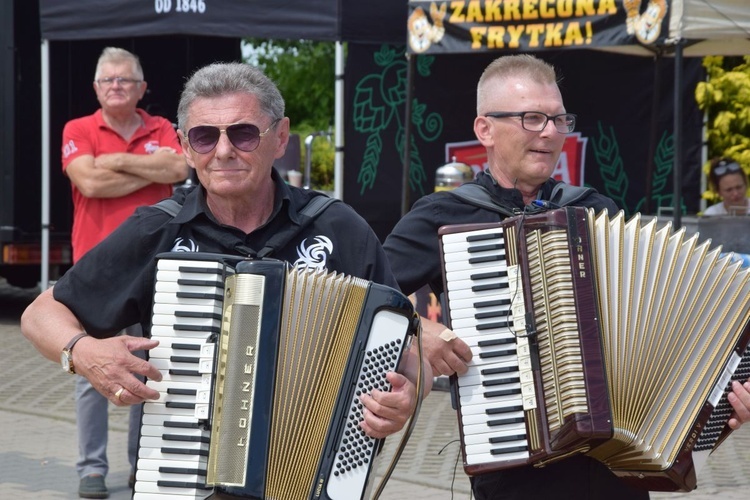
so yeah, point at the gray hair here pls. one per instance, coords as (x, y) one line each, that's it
(524, 65)
(115, 55)
(220, 79)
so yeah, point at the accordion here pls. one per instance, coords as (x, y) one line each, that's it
(263, 365)
(594, 335)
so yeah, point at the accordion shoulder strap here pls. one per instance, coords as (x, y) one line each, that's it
(312, 209)
(562, 195)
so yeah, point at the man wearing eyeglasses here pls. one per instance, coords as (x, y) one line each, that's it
(117, 159)
(730, 182)
(233, 128)
(522, 122)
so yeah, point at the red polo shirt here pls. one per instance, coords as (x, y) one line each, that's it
(95, 218)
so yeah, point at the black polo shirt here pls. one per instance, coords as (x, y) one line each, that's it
(111, 287)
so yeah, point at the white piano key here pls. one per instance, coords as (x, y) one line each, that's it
(462, 236)
(475, 419)
(479, 391)
(158, 431)
(480, 456)
(176, 264)
(467, 274)
(508, 431)
(148, 464)
(171, 308)
(160, 408)
(166, 275)
(185, 302)
(170, 287)
(159, 331)
(463, 265)
(476, 404)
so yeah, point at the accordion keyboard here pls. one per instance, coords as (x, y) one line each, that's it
(173, 450)
(480, 309)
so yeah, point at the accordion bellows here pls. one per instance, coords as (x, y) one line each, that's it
(627, 336)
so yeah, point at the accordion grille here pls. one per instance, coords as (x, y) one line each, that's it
(557, 326)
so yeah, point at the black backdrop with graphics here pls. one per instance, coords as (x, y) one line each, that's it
(612, 94)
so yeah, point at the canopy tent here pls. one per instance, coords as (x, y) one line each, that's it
(322, 20)
(682, 28)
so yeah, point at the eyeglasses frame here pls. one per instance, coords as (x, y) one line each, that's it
(224, 131)
(121, 80)
(522, 114)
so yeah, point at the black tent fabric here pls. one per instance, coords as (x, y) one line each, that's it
(324, 20)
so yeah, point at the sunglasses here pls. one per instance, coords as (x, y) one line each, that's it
(243, 136)
(724, 167)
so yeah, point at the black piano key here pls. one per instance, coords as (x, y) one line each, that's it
(189, 373)
(184, 438)
(503, 409)
(181, 392)
(200, 270)
(197, 314)
(489, 343)
(488, 286)
(196, 328)
(180, 425)
(180, 405)
(492, 303)
(496, 324)
(503, 392)
(182, 484)
(196, 295)
(505, 421)
(501, 381)
(186, 347)
(489, 275)
(506, 439)
(487, 258)
(497, 354)
(493, 314)
(184, 359)
(512, 449)
(185, 451)
(193, 282)
(485, 248)
(182, 470)
(483, 237)
(498, 370)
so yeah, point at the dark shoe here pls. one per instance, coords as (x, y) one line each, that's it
(131, 480)
(93, 486)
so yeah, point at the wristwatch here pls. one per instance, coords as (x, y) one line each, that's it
(66, 358)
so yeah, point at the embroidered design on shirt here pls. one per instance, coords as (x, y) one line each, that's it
(315, 255)
(151, 146)
(181, 245)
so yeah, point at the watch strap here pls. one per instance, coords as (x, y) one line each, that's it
(73, 341)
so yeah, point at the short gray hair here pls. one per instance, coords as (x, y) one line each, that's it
(220, 79)
(115, 55)
(524, 65)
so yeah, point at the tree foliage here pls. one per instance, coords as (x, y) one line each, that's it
(304, 72)
(725, 97)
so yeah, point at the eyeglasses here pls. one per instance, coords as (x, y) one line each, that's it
(243, 136)
(725, 167)
(122, 81)
(535, 121)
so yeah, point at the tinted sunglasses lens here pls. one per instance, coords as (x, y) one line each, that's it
(723, 167)
(203, 138)
(244, 136)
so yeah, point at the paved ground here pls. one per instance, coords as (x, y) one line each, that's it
(38, 445)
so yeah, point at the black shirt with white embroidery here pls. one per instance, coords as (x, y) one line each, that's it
(112, 286)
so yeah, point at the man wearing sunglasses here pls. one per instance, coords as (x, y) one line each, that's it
(730, 181)
(232, 127)
(117, 159)
(521, 121)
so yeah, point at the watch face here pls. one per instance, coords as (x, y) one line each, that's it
(65, 361)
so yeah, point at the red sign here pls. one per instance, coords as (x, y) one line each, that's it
(569, 168)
